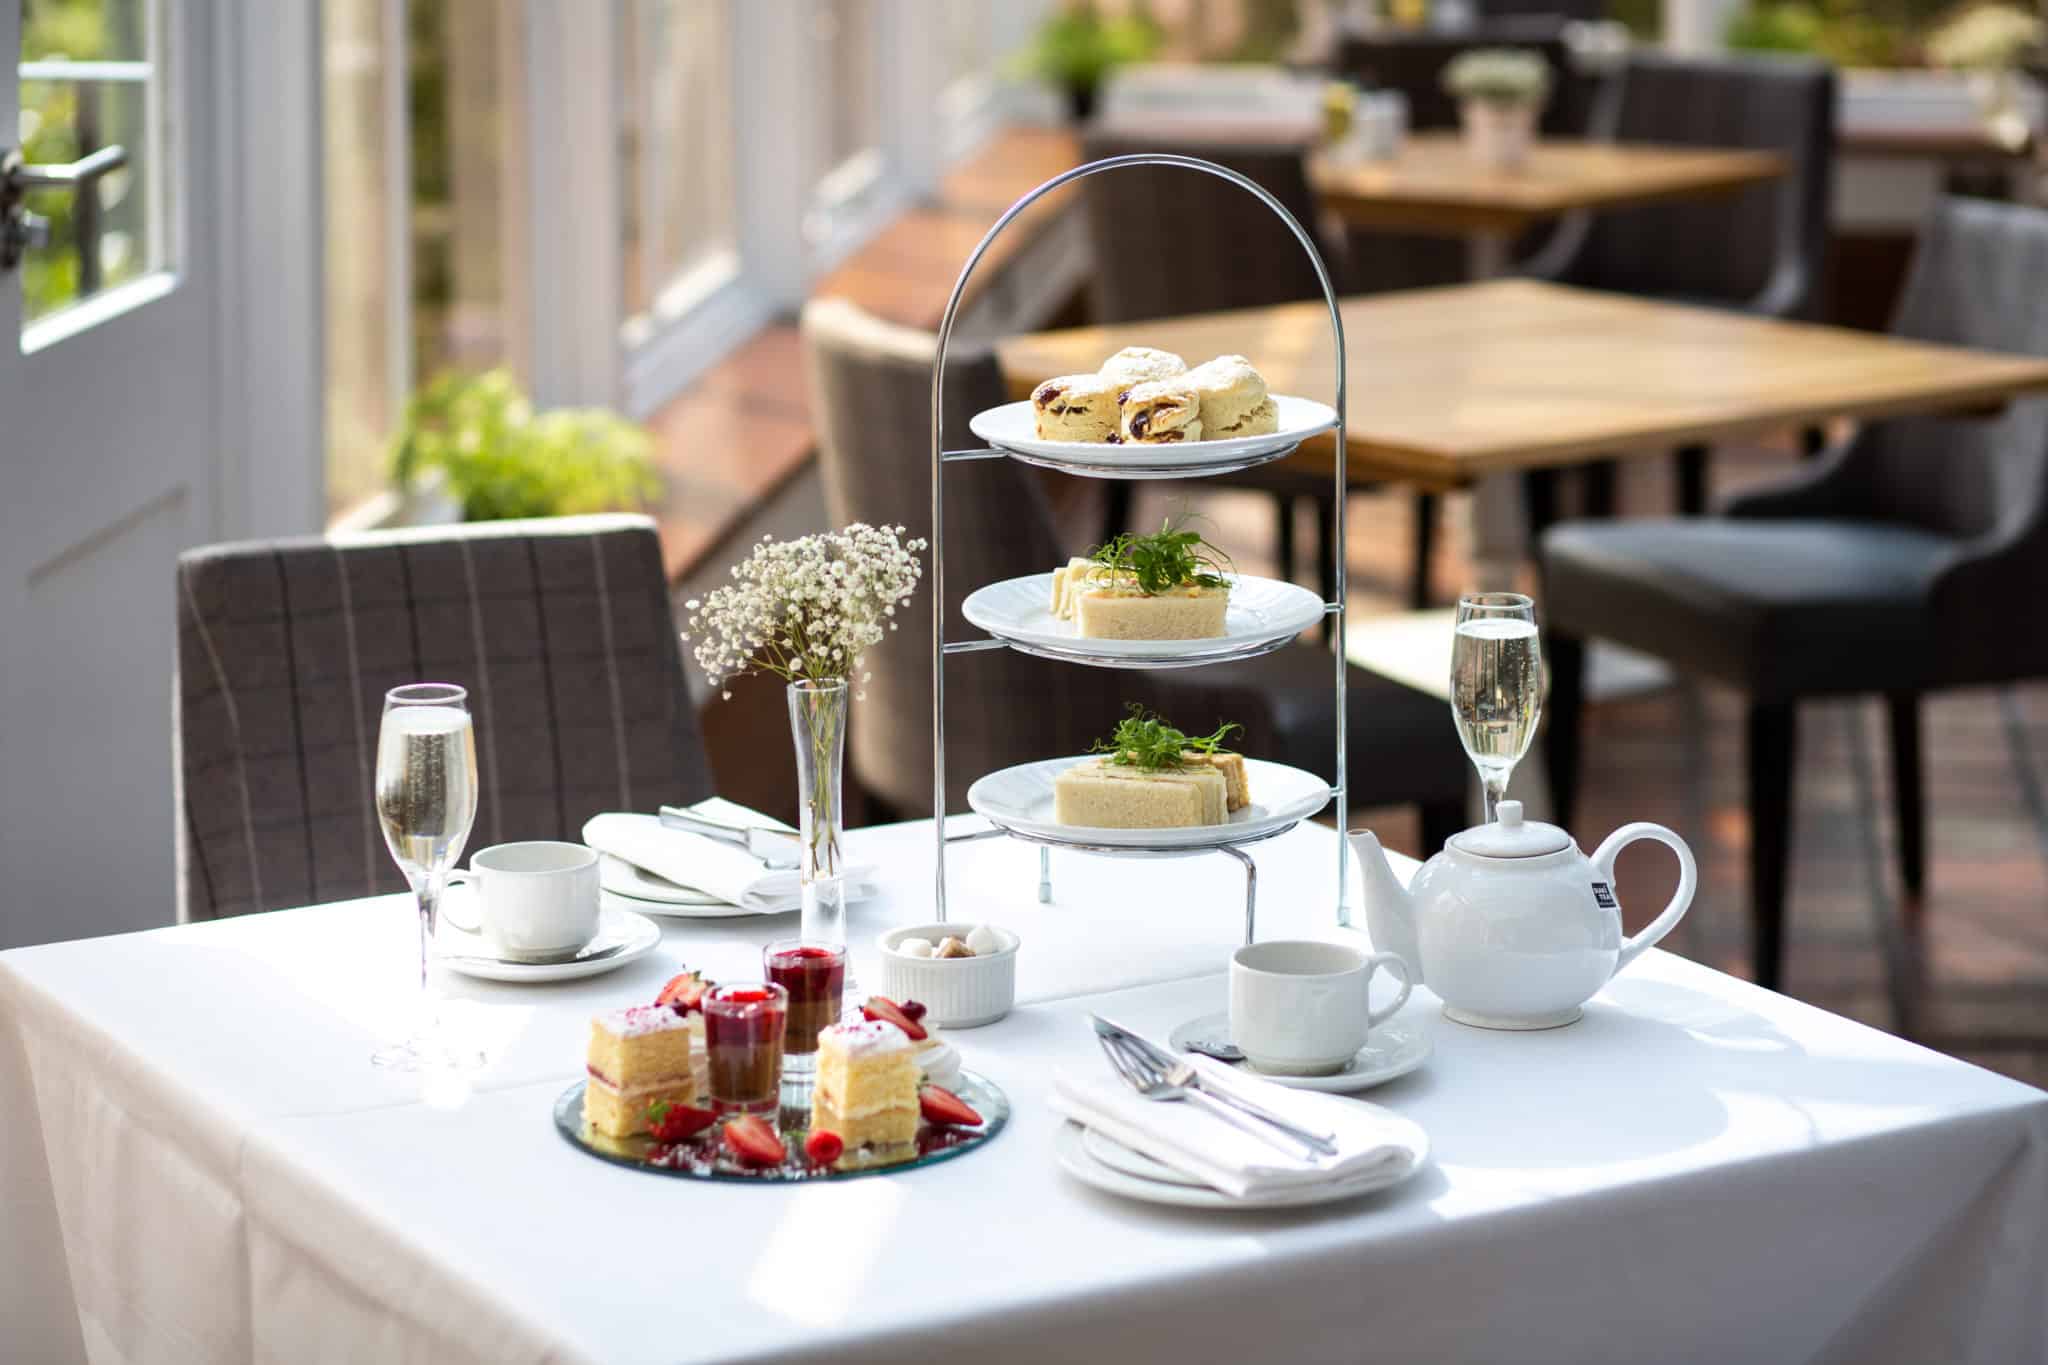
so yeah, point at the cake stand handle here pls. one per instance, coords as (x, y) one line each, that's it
(1045, 874)
(1251, 893)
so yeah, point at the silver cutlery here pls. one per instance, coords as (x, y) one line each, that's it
(1158, 1075)
(776, 849)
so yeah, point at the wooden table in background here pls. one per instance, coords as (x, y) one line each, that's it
(1433, 185)
(1449, 384)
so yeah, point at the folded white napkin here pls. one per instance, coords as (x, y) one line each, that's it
(1186, 1136)
(724, 870)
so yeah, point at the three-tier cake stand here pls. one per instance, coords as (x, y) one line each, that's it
(1188, 464)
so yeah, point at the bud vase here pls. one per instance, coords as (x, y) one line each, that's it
(817, 722)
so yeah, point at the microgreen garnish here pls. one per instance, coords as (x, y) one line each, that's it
(1171, 559)
(1145, 741)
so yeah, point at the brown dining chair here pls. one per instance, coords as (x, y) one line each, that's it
(870, 384)
(561, 630)
(1911, 559)
(1168, 242)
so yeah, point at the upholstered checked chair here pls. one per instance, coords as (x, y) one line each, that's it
(871, 398)
(1911, 559)
(560, 630)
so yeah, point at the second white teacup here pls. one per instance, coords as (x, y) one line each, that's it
(1301, 1007)
(537, 899)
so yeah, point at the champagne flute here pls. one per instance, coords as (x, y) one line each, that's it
(426, 802)
(1496, 685)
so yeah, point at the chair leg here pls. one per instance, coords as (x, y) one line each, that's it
(1908, 791)
(1692, 481)
(1425, 550)
(1599, 479)
(1561, 720)
(1773, 741)
(1440, 820)
(1812, 441)
(1283, 534)
(1116, 510)
(1539, 493)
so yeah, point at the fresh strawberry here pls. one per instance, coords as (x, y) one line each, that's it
(749, 1138)
(824, 1146)
(684, 992)
(884, 1010)
(674, 1122)
(943, 1106)
(914, 1009)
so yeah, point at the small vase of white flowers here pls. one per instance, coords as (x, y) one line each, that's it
(806, 610)
(1500, 91)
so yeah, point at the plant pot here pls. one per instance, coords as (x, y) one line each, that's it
(1497, 135)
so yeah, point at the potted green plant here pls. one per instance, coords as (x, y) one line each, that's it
(498, 459)
(1076, 48)
(1500, 91)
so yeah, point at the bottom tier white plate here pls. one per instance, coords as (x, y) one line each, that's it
(1020, 799)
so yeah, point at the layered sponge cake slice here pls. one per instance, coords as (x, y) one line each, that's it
(866, 1089)
(636, 1057)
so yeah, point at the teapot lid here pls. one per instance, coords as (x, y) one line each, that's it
(1510, 837)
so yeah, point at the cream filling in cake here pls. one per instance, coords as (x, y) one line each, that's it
(1104, 795)
(1188, 612)
(1076, 407)
(1162, 412)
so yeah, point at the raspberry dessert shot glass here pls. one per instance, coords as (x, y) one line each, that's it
(743, 1030)
(814, 976)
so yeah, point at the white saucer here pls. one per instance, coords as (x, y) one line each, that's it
(1395, 1048)
(1075, 1146)
(633, 935)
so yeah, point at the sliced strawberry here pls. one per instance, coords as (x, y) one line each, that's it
(884, 1010)
(749, 1138)
(824, 1146)
(943, 1106)
(684, 992)
(914, 1009)
(674, 1122)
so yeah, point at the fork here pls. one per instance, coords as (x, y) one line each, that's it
(1179, 1071)
(1142, 1076)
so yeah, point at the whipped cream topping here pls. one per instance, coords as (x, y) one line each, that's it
(868, 1038)
(637, 1021)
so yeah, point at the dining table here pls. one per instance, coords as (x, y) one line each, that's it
(200, 1164)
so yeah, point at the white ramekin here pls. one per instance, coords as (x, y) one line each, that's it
(959, 992)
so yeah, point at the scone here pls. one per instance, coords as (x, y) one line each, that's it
(1162, 412)
(1234, 398)
(1076, 407)
(1142, 364)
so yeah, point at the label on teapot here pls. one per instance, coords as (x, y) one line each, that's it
(1604, 896)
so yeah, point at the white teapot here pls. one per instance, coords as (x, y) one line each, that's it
(1511, 925)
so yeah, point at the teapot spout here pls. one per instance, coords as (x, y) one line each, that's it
(1389, 913)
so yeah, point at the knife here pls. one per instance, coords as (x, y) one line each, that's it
(777, 849)
(1180, 1073)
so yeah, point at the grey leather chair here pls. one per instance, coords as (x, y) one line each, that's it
(1761, 250)
(560, 630)
(1912, 558)
(870, 384)
(1168, 242)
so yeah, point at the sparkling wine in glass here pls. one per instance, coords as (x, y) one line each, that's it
(1496, 685)
(426, 803)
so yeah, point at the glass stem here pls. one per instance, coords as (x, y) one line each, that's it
(429, 893)
(1495, 783)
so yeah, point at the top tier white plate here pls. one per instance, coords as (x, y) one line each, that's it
(1013, 428)
(1264, 614)
(1020, 800)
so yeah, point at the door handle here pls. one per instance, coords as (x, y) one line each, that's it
(21, 230)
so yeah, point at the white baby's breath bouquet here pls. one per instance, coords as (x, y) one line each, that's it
(806, 609)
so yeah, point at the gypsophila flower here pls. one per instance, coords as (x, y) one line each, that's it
(807, 608)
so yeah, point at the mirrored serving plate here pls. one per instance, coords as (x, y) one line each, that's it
(1020, 801)
(705, 1158)
(1013, 429)
(1264, 614)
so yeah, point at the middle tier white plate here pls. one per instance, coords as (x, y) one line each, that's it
(1020, 799)
(1263, 613)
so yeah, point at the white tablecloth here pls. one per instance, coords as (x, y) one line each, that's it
(198, 1164)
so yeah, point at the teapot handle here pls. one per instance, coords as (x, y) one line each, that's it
(1688, 882)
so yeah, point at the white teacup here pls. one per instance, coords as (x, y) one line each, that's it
(534, 900)
(1299, 1007)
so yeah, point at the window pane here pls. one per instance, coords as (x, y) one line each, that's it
(89, 72)
(679, 215)
(848, 105)
(965, 41)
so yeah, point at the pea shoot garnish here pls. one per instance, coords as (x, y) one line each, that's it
(1171, 559)
(1145, 741)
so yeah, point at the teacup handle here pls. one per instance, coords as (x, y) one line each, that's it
(1681, 900)
(1398, 965)
(458, 877)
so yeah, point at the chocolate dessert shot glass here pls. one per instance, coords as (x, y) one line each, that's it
(743, 1026)
(814, 975)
